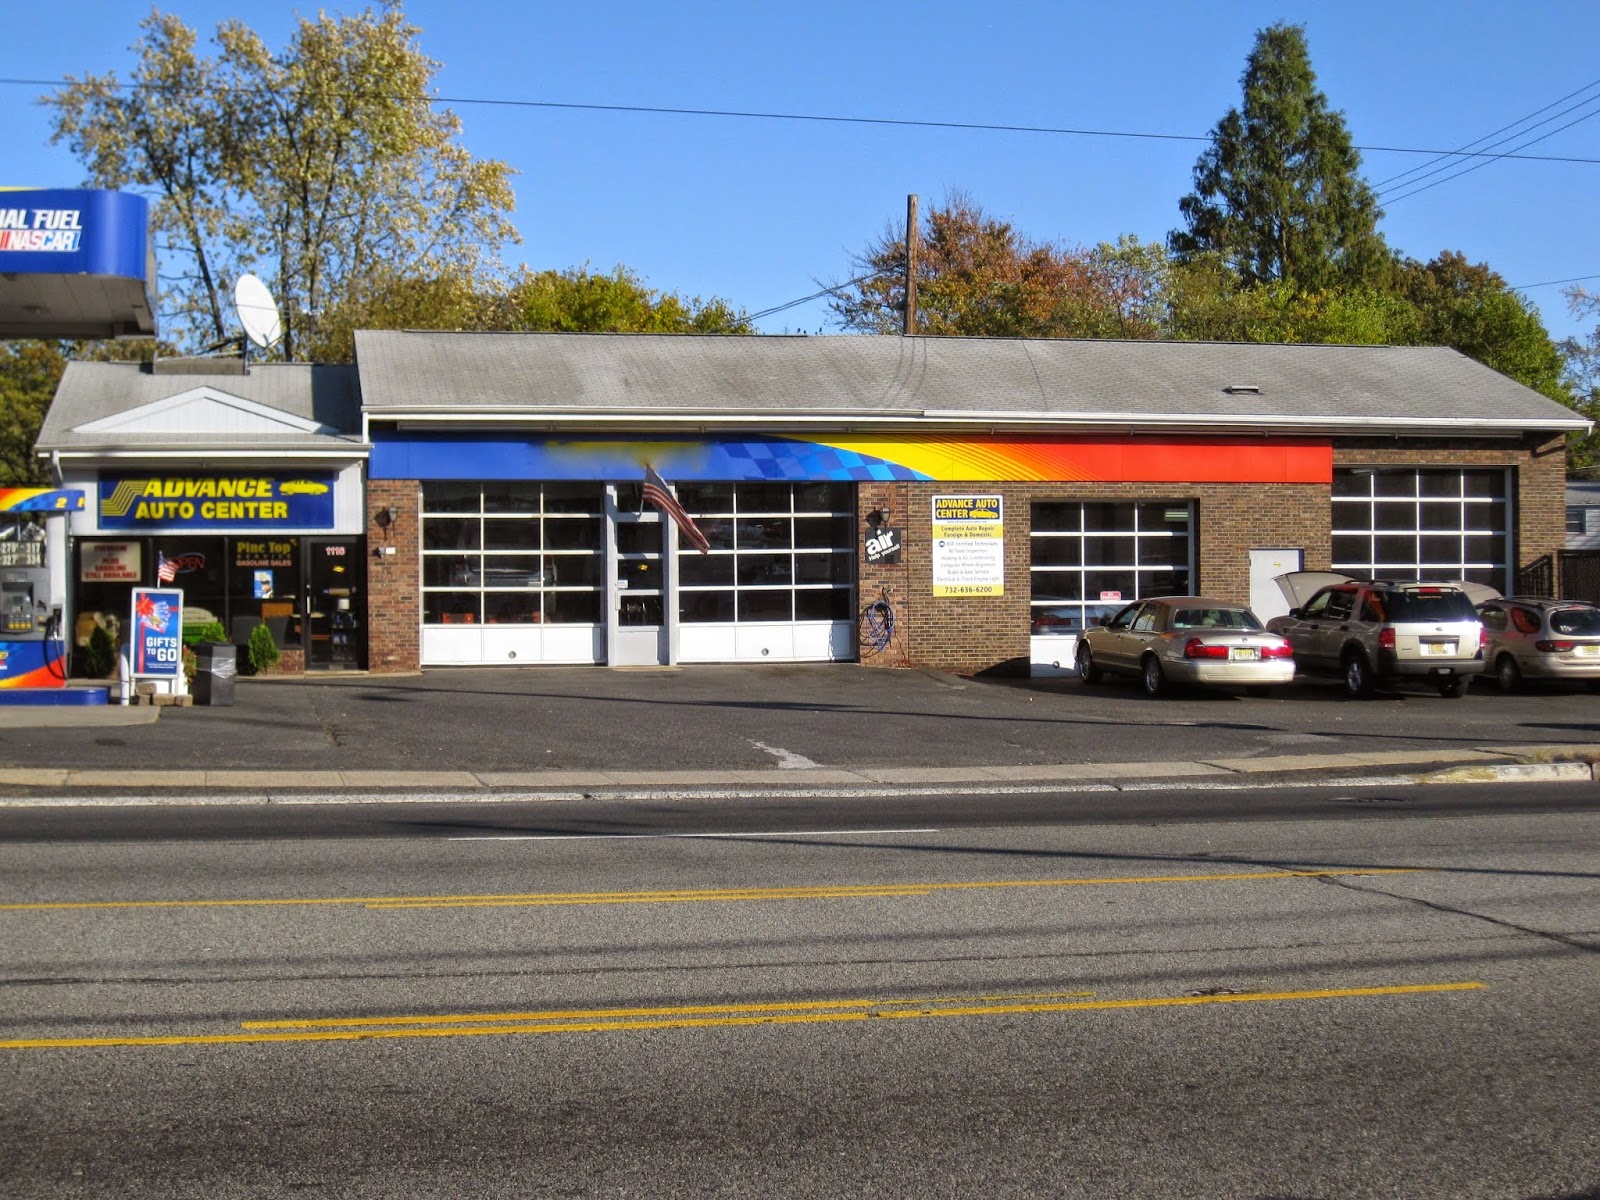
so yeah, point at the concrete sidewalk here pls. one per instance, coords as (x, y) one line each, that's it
(810, 730)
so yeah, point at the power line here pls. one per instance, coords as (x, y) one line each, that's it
(827, 291)
(893, 122)
(1553, 282)
(1383, 183)
(1479, 165)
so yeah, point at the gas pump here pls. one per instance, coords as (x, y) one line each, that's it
(33, 649)
(32, 645)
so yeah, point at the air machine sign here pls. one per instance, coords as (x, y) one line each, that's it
(969, 548)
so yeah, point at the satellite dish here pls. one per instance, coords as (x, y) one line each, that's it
(258, 312)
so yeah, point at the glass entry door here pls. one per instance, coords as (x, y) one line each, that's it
(335, 581)
(639, 615)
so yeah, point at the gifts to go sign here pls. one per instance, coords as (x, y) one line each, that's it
(157, 642)
(969, 546)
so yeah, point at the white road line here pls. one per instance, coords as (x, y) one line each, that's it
(610, 837)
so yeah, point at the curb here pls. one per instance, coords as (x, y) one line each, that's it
(68, 786)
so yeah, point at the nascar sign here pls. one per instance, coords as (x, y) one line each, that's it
(157, 645)
(246, 500)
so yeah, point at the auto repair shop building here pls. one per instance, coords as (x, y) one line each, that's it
(958, 504)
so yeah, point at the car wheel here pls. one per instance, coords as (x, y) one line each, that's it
(1087, 671)
(1358, 681)
(1452, 689)
(1155, 679)
(1506, 673)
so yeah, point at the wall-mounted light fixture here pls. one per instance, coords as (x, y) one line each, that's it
(386, 517)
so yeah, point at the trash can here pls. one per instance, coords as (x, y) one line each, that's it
(216, 665)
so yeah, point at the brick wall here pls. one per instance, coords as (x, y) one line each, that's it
(394, 581)
(977, 634)
(990, 633)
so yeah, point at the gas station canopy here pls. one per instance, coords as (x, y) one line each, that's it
(75, 264)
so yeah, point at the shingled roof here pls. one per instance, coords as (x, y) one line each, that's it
(288, 408)
(556, 379)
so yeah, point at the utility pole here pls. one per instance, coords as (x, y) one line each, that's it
(909, 325)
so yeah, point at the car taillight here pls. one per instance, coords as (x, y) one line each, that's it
(1195, 648)
(1554, 647)
(1483, 638)
(1386, 639)
(1281, 650)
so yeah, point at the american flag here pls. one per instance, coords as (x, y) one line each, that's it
(166, 569)
(657, 495)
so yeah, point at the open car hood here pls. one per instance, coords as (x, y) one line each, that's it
(1299, 586)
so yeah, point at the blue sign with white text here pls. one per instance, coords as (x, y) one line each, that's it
(157, 645)
(61, 232)
(242, 500)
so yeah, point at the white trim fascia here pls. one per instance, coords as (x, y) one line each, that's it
(352, 454)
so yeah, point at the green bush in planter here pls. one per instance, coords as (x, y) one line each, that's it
(203, 631)
(100, 656)
(262, 651)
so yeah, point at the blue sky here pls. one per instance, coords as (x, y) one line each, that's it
(762, 212)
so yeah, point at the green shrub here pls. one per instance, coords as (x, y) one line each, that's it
(191, 665)
(262, 650)
(204, 631)
(100, 656)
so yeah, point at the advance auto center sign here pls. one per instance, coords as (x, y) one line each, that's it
(242, 500)
(969, 548)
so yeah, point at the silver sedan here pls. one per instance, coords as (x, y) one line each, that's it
(1186, 640)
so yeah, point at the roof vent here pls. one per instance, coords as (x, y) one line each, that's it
(1242, 389)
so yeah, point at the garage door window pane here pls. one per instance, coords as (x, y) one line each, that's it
(822, 604)
(705, 570)
(511, 535)
(775, 605)
(450, 497)
(452, 533)
(1056, 551)
(705, 607)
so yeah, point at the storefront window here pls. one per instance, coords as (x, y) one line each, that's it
(264, 588)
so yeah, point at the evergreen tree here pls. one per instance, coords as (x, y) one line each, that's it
(1277, 194)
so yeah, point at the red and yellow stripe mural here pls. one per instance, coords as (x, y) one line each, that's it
(1101, 459)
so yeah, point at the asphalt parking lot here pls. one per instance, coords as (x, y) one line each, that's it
(759, 717)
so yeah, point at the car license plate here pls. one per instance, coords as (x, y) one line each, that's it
(1438, 648)
(1588, 649)
(1244, 654)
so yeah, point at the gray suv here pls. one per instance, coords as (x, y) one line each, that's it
(1369, 632)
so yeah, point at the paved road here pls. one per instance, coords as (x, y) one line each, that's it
(1305, 1002)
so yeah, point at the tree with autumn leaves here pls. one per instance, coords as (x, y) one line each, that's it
(327, 168)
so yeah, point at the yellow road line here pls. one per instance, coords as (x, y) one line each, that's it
(729, 1021)
(821, 892)
(568, 1014)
